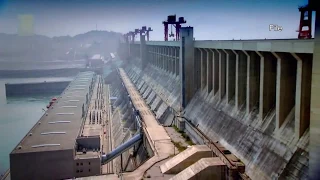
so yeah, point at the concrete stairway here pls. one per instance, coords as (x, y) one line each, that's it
(185, 159)
(205, 168)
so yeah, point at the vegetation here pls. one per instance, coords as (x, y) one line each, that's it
(184, 135)
(179, 146)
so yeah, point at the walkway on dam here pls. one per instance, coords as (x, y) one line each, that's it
(155, 133)
(107, 168)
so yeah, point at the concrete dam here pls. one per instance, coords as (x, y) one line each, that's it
(249, 108)
(253, 97)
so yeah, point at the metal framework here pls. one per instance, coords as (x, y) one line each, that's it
(305, 22)
(177, 24)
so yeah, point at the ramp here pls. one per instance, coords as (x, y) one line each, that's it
(120, 149)
(204, 169)
(186, 158)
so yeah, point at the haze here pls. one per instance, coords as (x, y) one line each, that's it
(212, 19)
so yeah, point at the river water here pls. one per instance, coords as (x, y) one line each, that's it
(18, 115)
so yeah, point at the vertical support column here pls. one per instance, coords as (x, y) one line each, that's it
(209, 71)
(303, 94)
(159, 57)
(202, 67)
(163, 58)
(230, 74)
(268, 66)
(314, 165)
(241, 78)
(253, 77)
(170, 60)
(176, 60)
(167, 59)
(215, 71)
(222, 74)
(186, 65)
(154, 56)
(173, 61)
(129, 49)
(143, 51)
(285, 92)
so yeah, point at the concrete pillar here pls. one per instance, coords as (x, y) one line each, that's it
(209, 70)
(143, 51)
(163, 59)
(241, 78)
(154, 56)
(253, 78)
(222, 74)
(197, 70)
(176, 55)
(173, 67)
(215, 71)
(159, 57)
(285, 91)
(314, 153)
(231, 57)
(173, 61)
(167, 59)
(303, 94)
(129, 49)
(186, 65)
(268, 74)
(203, 65)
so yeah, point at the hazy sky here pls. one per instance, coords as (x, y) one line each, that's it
(211, 19)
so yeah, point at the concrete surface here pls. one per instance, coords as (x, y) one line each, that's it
(204, 169)
(184, 159)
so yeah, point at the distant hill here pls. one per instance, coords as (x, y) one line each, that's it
(42, 48)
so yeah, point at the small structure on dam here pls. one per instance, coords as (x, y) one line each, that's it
(96, 63)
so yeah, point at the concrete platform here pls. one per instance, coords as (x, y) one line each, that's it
(186, 158)
(156, 134)
(204, 169)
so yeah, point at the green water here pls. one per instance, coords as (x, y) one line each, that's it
(17, 116)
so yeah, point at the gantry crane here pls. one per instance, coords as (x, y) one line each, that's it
(173, 22)
(145, 30)
(305, 22)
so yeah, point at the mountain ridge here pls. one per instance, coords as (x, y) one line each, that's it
(39, 47)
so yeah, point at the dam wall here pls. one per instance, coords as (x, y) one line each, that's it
(159, 89)
(253, 97)
(22, 89)
(266, 151)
